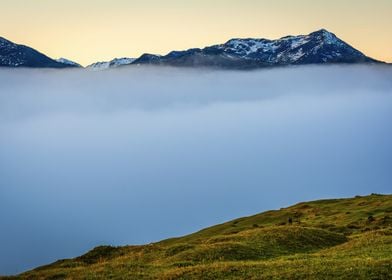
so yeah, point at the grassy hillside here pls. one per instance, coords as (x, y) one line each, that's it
(325, 239)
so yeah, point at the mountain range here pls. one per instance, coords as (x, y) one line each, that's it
(319, 47)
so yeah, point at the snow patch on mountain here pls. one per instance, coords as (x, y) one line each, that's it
(68, 62)
(111, 64)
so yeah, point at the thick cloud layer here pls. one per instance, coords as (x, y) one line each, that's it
(136, 155)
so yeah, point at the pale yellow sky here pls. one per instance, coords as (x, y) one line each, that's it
(95, 30)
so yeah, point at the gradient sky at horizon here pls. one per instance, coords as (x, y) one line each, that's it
(96, 30)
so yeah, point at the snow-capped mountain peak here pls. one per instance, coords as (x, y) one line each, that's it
(289, 49)
(111, 64)
(317, 47)
(68, 62)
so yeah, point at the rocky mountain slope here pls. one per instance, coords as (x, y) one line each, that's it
(14, 55)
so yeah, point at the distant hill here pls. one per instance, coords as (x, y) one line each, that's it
(14, 55)
(325, 239)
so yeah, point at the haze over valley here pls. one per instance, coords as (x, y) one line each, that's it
(135, 155)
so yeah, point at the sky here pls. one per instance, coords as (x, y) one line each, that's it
(135, 155)
(97, 30)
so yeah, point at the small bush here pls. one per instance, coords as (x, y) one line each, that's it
(371, 219)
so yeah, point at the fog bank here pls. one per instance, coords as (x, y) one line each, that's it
(135, 155)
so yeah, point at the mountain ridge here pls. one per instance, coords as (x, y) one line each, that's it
(17, 55)
(318, 47)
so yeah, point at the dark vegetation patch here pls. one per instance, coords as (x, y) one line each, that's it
(100, 254)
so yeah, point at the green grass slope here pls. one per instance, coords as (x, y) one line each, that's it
(326, 239)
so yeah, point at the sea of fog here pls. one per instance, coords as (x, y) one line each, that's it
(135, 155)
